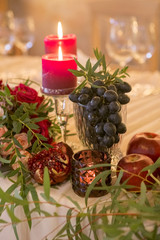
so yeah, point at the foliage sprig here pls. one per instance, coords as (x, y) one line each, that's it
(98, 71)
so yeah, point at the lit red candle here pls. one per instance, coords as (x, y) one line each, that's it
(67, 42)
(56, 79)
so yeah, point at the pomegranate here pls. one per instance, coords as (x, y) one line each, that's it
(56, 159)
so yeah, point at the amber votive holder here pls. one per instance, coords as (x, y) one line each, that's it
(81, 179)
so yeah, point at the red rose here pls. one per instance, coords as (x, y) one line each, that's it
(26, 94)
(1, 85)
(43, 129)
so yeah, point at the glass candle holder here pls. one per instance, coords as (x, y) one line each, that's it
(81, 179)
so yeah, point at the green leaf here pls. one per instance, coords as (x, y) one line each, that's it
(69, 227)
(8, 101)
(46, 183)
(142, 197)
(79, 64)
(34, 196)
(3, 160)
(77, 73)
(41, 137)
(24, 117)
(17, 143)
(88, 64)
(9, 147)
(13, 173)
(33, 126)
(2, 94)
(35, 145)
(29, 136)
(152, 168)
(104, 63)
(7, 91)
(15, 231)
(28, 215)
(17, 127)
(2, 221)
(75, 203)
(97, 64)
(38, 119)
(11, 214)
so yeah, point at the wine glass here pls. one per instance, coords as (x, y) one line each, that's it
(24, 33)
(6, 32)
(143, 39)
(119, 43)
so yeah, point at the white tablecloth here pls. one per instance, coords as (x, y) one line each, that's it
(143, 114)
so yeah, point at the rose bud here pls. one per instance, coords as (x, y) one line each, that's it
(23, 159)
(23, 140)
(3, 130)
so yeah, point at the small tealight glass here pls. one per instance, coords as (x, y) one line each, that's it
(81, 179)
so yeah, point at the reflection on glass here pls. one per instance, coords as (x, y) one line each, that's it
(143, 39)
(24, 33)
(6, 32)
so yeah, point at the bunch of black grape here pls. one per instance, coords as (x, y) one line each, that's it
(99, 112)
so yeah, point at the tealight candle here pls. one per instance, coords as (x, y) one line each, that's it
(56, 79)
(81, 178)
(67, 42)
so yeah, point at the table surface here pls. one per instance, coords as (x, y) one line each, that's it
(143, 115)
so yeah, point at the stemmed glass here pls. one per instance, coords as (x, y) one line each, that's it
(119, 43)
(143, 39)
(24, 33)
(6, 32)
(62, 110)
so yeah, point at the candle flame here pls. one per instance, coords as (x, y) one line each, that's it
(60, 55)
(60, 30)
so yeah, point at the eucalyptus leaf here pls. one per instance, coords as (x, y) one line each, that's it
(11, 214)
(33, 126)
(17, 127)
(34, 146)
(77, 73)
(46, 183)
(29, 136)
(3, 160)
(16, 142)
(79, 64)
(7, 91)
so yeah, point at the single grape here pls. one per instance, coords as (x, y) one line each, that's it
(117, 138)
(110, 96)
(109, 128)
(115, 118)
(103, 111)
(98, 83)
(74, 97)
(86, 90)
(89, 107)
(112, 87)
(93, 118)
(108, 141)
(123, 98)
(121, 128)
(123, 87)
(114, 107)
(83, 98)
(101, 91)
(99, 129)
(95, 101)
